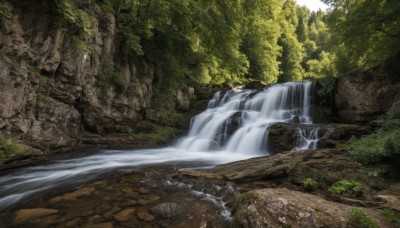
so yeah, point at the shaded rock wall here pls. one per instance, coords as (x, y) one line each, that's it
(53, 81)
(364, 96)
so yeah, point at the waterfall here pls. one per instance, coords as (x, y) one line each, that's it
(238, 121)
(233, 127)
(307, 140)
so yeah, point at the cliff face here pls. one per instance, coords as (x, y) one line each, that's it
(53, 83)
(364, 96)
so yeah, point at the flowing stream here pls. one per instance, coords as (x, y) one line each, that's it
(233, 127)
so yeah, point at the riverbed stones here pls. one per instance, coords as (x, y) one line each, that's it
(124, 215)
(73, 195)
(25, 215)
(145, 216)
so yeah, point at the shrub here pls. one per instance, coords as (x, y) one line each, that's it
(345, 187)
(309, 184)
(7, 147)
(382, 147)
(361, 220)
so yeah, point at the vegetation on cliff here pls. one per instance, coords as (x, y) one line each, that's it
(8, 147)
(381, 149)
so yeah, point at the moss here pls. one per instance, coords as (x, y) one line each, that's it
(125, 129)
(160, 136)
(309, 184)
(346, 188)
(359, 219)
(241, 199)
(8, 147)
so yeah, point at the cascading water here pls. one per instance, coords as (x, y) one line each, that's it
(234, 127)
(237, 122)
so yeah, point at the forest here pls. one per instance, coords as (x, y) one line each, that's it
(235, 41)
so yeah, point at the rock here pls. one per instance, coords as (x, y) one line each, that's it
(128, 192)
(111, 212)
(278, 166)
(256, 84)
(364, 96)
(393, 202)
(143, 190)
(184, 98)
(103, 225)
(124, 215)
(285, 208)
(145, 216)
(166, 210)
(284, 136)
(50, 80)
(73, 195)
(26, 215)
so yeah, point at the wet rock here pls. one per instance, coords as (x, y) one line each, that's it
(25, 215)
(143, 190)
(128, 192)
(124, 215)
(278, 166)
(76, 222)
(103, 225)
(284, 136)
(73, 195)
(166, 210)
(111, 212)
(145, 216)
(285, 208)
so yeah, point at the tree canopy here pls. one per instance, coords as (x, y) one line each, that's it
(213, 41)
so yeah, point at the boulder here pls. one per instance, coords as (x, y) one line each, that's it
(281, 207)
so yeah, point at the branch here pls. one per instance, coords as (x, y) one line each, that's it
(389, 34)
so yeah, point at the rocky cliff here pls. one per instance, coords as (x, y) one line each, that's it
(364, 96)
(56, 83)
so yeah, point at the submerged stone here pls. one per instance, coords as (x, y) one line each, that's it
(25, 215)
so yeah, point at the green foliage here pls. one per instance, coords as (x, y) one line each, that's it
(309, 184)
(115, 77)
(161, 136)
(7, 147)
(365, 32)
(391, 216)
(75, 16)
(382, 147)
(125, 129)
(243, 197)
(346, 188)
(359, 219)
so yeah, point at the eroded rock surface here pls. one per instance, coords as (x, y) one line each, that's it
(281, 207)
(362, 97)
